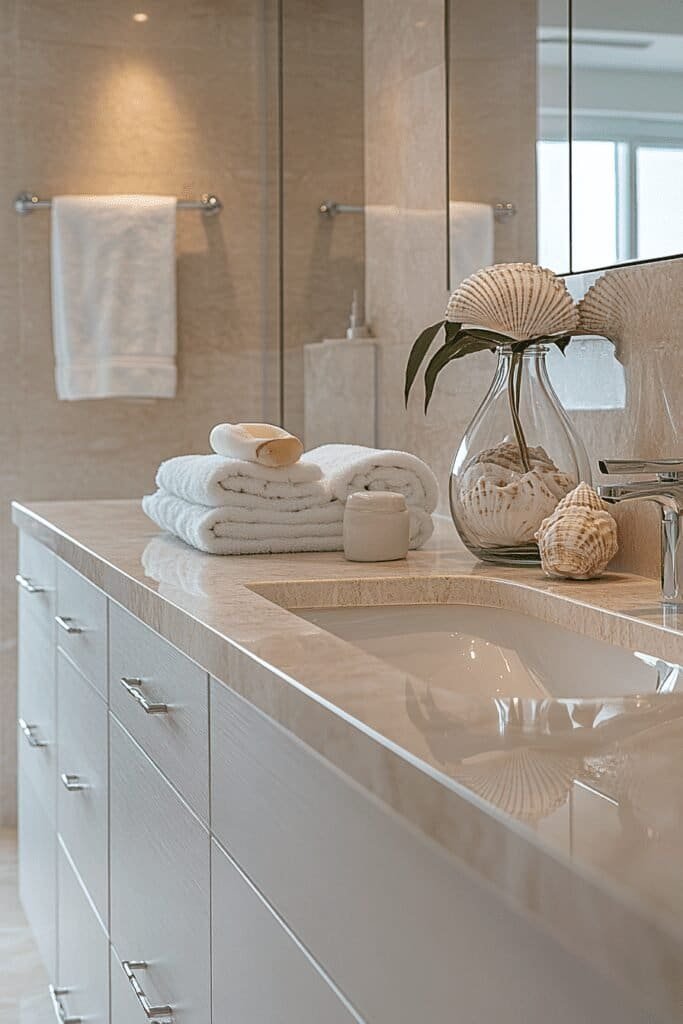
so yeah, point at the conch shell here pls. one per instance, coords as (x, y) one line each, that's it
(500, 503)
(520, 300)
(579, 539)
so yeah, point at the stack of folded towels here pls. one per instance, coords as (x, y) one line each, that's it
(259, 494)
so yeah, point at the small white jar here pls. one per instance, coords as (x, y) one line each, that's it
(376, 527)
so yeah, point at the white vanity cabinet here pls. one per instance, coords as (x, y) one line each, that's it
(185, 859)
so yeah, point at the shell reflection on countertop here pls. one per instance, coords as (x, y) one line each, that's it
(569, 806)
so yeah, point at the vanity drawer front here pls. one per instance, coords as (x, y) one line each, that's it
(260, 973)
(82, 810)
(81, 617)
(83, 982)
(159, 884)
(36, 581)
(403, 930)
(38, 870)
(36, 710)
(177, 738)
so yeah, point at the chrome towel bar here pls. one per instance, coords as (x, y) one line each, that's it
(329, 208)
(208, 204)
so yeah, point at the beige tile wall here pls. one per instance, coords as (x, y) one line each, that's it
(492, 57)
(322, 158)
(92, 102)
(405, 174)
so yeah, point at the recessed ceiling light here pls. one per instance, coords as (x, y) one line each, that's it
(141, 16)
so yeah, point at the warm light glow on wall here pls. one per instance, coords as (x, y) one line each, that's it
(141, 16)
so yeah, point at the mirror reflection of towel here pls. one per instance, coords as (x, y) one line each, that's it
(471, 237)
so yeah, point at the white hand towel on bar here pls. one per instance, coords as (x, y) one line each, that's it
(217, 480)
(114, 296)
(350, 467)
(231, 531)
(471, 239)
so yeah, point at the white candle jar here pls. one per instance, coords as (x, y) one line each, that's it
(376, 527)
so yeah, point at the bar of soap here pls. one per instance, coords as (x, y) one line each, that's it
(376, 527)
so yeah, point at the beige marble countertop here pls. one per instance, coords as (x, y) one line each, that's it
(594, 852)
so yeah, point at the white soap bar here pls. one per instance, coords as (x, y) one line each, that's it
(376, 527)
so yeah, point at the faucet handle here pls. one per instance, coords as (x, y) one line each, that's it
(670, 470)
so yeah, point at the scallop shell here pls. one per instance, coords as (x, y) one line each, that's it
(526, 783)
(577, 542)
(502, 508)
(582, 496)
(610, 306)
(520, 300)
(507, 455)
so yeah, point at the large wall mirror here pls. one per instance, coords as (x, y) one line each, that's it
(565, 132)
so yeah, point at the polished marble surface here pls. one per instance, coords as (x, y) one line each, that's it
(23, 981)
(572, 809)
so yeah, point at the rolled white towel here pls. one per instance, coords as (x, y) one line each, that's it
(235, 531)
(215, 480)
(349, 467)
(262, 443)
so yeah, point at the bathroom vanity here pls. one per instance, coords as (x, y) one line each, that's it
(228, 813)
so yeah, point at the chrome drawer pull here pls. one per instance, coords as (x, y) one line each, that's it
(29, 733)
(67, 624)
(57, 1005)
(159, 1014)
(28, 585)
(73, 783)
(132, 686)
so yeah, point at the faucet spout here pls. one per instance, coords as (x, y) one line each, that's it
(667, 492)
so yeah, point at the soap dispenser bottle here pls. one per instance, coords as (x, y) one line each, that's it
(355, 328)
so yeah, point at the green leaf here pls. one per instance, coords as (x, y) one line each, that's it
(452, 330)
(445, 355)
(418, 352)
(493, 336)
(562, 343)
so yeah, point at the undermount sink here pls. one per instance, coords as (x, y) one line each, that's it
(495, 652)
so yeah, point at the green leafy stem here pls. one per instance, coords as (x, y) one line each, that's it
(463, 341)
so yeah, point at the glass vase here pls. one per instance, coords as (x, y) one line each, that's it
(520, 455)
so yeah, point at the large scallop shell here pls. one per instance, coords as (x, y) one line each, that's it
(611, 305)
(501, 507)
(577, 542)
(520, 300)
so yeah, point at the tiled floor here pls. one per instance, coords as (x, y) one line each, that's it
(23, 981)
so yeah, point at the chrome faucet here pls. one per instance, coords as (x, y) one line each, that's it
(667, 492)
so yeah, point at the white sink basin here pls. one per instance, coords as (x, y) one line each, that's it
(495, 652)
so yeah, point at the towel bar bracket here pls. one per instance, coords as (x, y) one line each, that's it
(209, 204)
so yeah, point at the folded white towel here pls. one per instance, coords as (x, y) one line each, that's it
(227, 531)
(348, 468)
(215, 529)
(219, 481)
(114, 296)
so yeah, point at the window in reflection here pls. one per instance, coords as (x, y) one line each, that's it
(659, 184)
